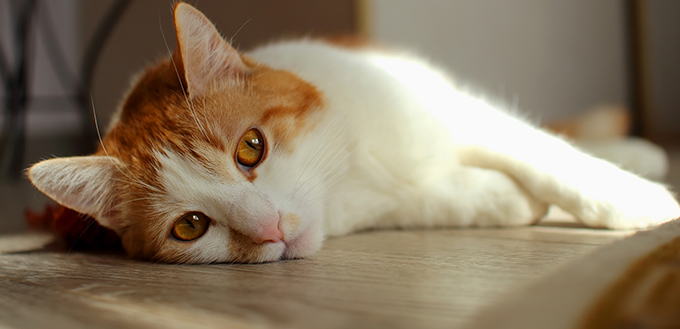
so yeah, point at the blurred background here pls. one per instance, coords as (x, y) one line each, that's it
(553, 59)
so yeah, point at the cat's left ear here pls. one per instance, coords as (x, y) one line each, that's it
(202, 56)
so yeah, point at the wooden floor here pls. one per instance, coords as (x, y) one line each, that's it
(382, 279)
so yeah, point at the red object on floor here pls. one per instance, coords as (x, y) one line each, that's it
(79, 231)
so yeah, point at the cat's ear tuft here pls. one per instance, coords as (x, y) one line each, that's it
(85, 184)
(205, 56)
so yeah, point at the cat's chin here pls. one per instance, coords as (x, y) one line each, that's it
(302, 246)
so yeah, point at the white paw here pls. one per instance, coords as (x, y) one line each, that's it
(508, 204)
(637, 204)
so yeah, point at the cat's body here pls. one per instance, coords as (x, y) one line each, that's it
(394, 127)
(353, 138)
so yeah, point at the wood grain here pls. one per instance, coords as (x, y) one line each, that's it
(381, 279)
(630, 283)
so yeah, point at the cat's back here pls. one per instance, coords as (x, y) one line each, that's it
(357, 65)
(326, 65)
(305, 56)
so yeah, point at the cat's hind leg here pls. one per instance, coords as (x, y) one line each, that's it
(469, 196)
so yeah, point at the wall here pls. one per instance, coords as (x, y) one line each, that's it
(661, 65)
(50, 112)
(555, 58)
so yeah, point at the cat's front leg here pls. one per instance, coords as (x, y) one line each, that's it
(597, 192)
(468, 196)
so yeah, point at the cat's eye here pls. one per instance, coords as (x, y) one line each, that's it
(250, 148)
(190, 226)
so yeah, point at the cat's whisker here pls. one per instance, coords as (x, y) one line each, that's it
(101, 142)
(325, 181)
(205, 118)
(80, 236)
(96, 125)
(297, 183)
(136, 181)
(139, 184)
(115, 141)
(120, 204)
(231, 40)
(325, 171)
(316, 200)
(328, 182)
(131, 180)
(320, 153)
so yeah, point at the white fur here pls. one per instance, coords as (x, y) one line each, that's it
(417, 140)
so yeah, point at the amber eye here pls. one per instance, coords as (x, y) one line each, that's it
(250, 148)
(190, 226)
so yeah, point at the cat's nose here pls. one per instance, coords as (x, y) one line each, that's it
(270, 233)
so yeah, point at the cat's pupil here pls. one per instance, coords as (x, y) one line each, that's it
(253, 142)
(191, 226)
(250, 149)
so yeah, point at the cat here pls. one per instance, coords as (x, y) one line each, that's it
(218, 156)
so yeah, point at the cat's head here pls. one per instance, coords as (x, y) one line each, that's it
(202, 163)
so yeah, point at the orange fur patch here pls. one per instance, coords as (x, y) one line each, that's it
(291, 222)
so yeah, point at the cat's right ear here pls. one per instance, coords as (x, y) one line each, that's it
(85, 184)
(202, 56)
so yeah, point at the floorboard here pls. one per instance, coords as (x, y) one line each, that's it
(379, 279)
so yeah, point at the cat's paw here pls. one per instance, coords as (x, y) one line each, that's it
(508, 204)
(641, 205)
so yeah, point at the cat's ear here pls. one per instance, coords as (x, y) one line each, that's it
(202, 55)
(85, 184)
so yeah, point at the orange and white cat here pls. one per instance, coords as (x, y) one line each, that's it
(217, 156)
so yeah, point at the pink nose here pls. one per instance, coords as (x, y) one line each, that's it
(270, 233)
